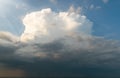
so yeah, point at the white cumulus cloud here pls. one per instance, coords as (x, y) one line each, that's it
(47, 25)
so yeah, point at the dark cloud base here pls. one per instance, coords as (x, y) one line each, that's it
(63, 60)
(63, 69)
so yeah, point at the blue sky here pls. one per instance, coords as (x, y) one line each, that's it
(106, 19)
(103, 13)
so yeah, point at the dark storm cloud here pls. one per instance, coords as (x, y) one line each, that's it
(63, 58)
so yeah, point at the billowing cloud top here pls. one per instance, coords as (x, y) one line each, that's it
(48, 25)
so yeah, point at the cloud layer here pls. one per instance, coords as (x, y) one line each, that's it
(59, 45)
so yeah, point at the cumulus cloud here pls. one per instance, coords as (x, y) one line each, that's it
(49, 25)
(60, 44)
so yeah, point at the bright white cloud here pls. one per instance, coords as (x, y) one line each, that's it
(47, 25)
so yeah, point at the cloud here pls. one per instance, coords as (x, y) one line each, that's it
(94, 7)
(53, 1)
(8, 37)
(59, 45)
(72, 52)
(105, 1)
(85, 50)
(47, 24)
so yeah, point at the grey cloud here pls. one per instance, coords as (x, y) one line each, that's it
(70, 56)
(87, 51)
(8, 37)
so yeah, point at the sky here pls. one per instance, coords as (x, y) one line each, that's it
(60, 38)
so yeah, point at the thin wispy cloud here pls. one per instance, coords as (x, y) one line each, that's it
(105, 1)
(93, 7)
